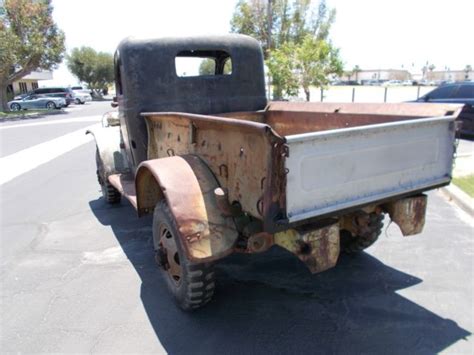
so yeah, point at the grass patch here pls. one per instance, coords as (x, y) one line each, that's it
(465, 183)
(21, 113)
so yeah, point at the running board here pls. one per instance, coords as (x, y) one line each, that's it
(125, 184)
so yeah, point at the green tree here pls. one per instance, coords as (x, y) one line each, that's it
(276, 22)
(281, 27)
(29, 40)
(303, 65)
(96, 69)
(208, 67)
(282, 67)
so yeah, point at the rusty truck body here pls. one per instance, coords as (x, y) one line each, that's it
(223, 170)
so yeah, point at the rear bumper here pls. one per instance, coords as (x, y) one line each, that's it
(317, 244)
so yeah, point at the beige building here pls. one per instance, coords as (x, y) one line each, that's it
(29, 82)
(454, 75)
(377, 74)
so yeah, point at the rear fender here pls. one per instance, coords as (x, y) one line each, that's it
(188, 186)
(108, 144)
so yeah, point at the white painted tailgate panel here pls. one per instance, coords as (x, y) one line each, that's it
(337, 169)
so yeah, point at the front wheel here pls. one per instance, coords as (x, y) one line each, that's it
(191, 284)
(109, 192)
(50, 105)
(15, 107)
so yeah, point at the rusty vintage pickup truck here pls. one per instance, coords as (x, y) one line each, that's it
(223, 170)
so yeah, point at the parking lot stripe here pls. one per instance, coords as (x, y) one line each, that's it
(16, 164)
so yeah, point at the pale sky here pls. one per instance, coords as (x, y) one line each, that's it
(371, 33)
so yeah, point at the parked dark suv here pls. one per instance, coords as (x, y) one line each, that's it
(56, 92)
(459, 93)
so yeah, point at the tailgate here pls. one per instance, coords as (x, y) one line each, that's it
(338, 169)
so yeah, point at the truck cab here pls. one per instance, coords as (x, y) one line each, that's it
(148, 79)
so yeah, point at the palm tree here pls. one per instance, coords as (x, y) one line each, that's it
(424, 70)
(467, 70)
(356, 71)
(427, 67)
(348, 74)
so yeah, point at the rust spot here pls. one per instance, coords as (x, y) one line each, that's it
(408, 213)
(260, 155)
(316, 245)
(259, 242)
(188, 186)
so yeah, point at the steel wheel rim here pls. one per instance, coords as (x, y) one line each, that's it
(173, 265)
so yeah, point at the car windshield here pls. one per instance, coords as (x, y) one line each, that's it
(465, 92)
(444, 92)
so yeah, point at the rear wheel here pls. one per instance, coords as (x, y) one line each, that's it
(191, 284)
(15, 107)
(367, 235)
(50, 105)
(109, 192)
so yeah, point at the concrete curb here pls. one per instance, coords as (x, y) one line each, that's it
(458, 196)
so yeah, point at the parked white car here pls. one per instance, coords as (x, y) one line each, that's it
(81, 96)
(392, 83)
(37, 102)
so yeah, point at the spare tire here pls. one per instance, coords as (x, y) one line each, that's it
(352, 244)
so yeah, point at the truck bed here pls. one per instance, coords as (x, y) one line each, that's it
(345, 155)
(337, 156)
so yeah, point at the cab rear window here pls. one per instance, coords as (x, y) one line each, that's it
(203, 63)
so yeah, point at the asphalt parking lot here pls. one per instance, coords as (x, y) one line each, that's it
(78, 275)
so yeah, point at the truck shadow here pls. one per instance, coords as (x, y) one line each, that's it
(270, 303)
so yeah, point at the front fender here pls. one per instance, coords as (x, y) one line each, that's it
(111, 155)
(188, 186)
